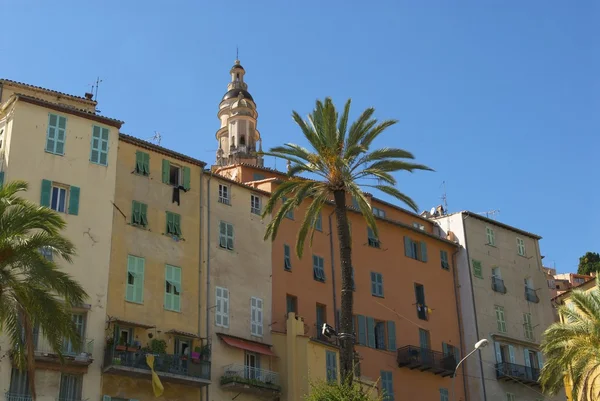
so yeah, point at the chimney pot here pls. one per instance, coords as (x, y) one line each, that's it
(89, 95)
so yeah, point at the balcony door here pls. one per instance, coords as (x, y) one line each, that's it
(252, 366)
(182, 353)
(79, 322)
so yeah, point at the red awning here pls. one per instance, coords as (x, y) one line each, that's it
(247, 345)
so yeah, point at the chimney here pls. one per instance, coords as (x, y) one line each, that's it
(89, 95)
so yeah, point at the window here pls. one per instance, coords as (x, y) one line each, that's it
(224, 194)
(252, 366)
(331, 365)
(70, 387)
(520, 247)
(47, 253)
(450, 350)
(500, 318)
(415, 250)
(139, 214)
(420, 298)
(287, 257)
(376, 284)
(321, 317)
(78, 320)
(55, 137)
(256, 316)
(142, 163)
(291, 303)
(222, 307)
(290, 213)
(372, 333)
(424, 339)
(578, 280)
(379, 212)
(318, 268)
(226, 236)
(528, 328)
(175, 175)
(19, 385)
(319, 222)
(135, 279)
(372, 240)
(444, 258)
(255, 204)
(490, 236)
(444, 394)
(379, 335)
(355, 203)
(99, 153)
(477, 271)
(173, 288)
(419, 226)
(387, 386)
(497, 282)
(510, 397)
(59, 197)
(173, 224)
(258, 177)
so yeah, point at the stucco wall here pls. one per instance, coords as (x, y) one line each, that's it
(90, 230)
(7, 89)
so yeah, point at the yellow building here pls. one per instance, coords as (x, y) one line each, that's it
(155, 286)
(67, 153)
(564, 299)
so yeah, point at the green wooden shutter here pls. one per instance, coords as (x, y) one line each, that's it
(423, 251)
(177, 283)
(186, 178)
(139, 281)
(391, 332)
(177, 223)
(139, 162)
(135, 212)
(74, 200)
(168, 295)
(170, 225)
(1, 179)
(362, 330)
(166, 168)
(407, 247)
(46, 191)
(131, 268)
(146, 164)
(144, 214)
(371, 331)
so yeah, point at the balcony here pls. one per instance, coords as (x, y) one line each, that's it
(250, 380)
(424, 359)
(172, 368)
(498, 285)
(512, 372)
(17, 397)
(81, 355)
(531, 295)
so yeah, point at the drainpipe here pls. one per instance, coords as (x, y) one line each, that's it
(200, 259)
(335, 314)
(460, 336)
(208, 267)
(474, 307)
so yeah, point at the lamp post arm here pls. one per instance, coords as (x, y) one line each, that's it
(456, 370)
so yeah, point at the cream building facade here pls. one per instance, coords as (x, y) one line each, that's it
(504, 298)
(67, 153)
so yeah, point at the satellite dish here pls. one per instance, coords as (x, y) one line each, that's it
(432, 212)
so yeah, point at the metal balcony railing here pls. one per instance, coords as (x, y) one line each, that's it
(248, 375)
(166, 363)
(17, 397)
(511, 371)
(414, 357)
(67, 399)
(82, 353)
(531, 295)
(498, 285)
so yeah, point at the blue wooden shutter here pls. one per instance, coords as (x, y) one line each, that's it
(445, 349)
(362, 330)
(373, 284)
(166, 169)
(423, 251)
(371, 331)
(1, 178)
(407, 247)
(46, 190)
(379, 278)
(74, 200)
(391, 332)
(186, 178)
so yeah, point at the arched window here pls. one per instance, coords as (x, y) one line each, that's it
(243, 140)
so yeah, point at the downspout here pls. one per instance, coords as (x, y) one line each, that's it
(337, 323)
(208, 266)
(460, 335)
(200, 261)
(474, 308)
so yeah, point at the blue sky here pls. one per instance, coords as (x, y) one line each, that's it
(500, 97)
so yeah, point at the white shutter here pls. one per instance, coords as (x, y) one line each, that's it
(527, 361)
(225, 307)
(259, 312)
(218, 307)
(511, 353)
(498, 352)
(222, 307)
(253, 328)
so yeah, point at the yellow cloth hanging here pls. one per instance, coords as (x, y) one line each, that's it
(157, 386)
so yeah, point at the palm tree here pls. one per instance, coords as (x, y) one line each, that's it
(34, 292)
(342, 160)
(573, 346)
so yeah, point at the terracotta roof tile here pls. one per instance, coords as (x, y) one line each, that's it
(16, 83)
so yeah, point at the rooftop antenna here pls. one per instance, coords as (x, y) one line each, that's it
(444, 197)
(156, 138)
(95, 91)
(237, 52)
(490, 213)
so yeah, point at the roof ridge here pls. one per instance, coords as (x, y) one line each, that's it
(79, 98)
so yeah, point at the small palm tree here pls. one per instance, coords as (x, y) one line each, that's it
(342, 160)
(573, 346)
(34, 292)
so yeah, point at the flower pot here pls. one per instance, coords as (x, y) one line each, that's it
(121, 348)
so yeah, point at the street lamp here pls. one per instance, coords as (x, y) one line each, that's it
(479, 344)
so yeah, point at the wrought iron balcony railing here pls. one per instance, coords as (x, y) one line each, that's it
(81, 353)
(248, 375)
(531, 295)
(17, 397)
(425, 359)
(498, 285)
(511, 371)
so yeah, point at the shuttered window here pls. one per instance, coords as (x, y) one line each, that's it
(387, 385)
(173, 288)
(222, 307)
(415, 249)
(444, 259)
(142, 163)
(490, 236)
(500, 322)
(256, 316)
(135, 279)
(318, 268)
(55, 137)
(139, 214)
(528, 328)
(226, 235)
(376, 284)
(331, 365)
(444, 394)
(477, 270)
(99, 152)
(287, 257)
(173, 224)
(70, 387)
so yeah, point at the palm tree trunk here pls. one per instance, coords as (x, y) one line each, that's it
(346, 341)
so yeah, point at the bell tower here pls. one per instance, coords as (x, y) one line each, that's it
(237, 138)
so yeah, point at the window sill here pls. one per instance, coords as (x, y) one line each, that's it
(523, 256)
(174, 237)
(226, 249)
(320, 281)
(99, 164)
(171, 310)
(139, 226)
(141, 174)
(52, 153)
(133, 302)
(226, 203)
(287, 270)
(376, 296)
(492, 245)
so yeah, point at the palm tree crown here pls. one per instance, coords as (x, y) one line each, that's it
(573, 346)
(34, 292)
(342, 159)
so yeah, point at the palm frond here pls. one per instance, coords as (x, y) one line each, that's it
(387, 189)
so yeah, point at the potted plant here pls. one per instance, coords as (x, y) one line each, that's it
(205, 352)
(121, 346)
(196, 354)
